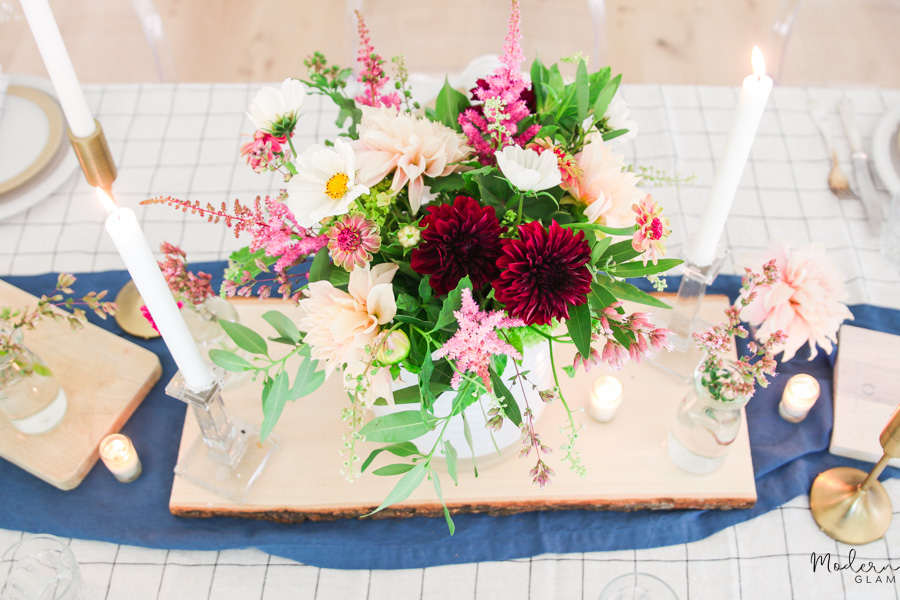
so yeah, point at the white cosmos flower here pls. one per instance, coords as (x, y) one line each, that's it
(527, 170)
(271, 106)
(324, 185)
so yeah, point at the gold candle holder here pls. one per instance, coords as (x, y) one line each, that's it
(95, 158)
(852, 506)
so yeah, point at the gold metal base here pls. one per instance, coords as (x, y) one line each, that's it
(129, 316)
(847, 513)
(96, 160)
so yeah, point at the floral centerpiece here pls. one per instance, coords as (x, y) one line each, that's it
(444, 243)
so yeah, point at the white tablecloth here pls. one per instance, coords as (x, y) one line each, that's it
(183, 141)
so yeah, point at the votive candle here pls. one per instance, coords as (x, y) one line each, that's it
(800, 394)
(606, 396)
(120, 457)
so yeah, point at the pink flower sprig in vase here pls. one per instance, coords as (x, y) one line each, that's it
(727, 384)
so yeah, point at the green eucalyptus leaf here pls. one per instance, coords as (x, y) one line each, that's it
(245, 338)
(394, 469)
(402, 449)
(320, 267)
(579, 326)
(625, 291)
(605, 97)
(638, 268)
(467, 432)
(273, 404)
(451, 456)
(409, 482)
(582, 90)
(283, 325)
(507, 402)
(398, 427)
(228, 360)
(308, 379)
(440, 495)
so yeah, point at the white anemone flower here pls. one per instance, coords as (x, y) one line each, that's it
(527, 170)
(276, 110)
(325, 183)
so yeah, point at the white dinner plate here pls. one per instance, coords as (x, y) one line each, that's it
(53, 169)
(886, 150)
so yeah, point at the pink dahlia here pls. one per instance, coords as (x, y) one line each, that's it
(805, 303)
(652, 230)
(543, 273)
(459, 239)
(605, 189)
(352, 240)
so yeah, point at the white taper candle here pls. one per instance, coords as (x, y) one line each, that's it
(755, 91)
(125, 231)
(59, 66)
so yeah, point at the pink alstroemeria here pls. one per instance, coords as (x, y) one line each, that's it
(652, 230)
(476, 340)
(260, 152)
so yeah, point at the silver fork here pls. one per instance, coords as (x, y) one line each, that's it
(837, 181)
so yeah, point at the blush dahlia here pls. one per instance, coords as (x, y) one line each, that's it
(458, 240)
(544, 272)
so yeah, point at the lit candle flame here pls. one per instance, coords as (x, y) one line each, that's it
(758, 62)
(108, 203)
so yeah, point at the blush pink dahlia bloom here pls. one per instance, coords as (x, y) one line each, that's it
(653, 229)
(476, 340)
(352, 240)
(409, 146)
(604, 187)
(806, 302)
(341, 325)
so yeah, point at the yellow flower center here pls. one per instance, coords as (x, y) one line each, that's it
(337, 186)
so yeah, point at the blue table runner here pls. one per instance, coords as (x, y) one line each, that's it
(786, 458)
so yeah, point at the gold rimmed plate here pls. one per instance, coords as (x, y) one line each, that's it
(35, 155)
(31, 128)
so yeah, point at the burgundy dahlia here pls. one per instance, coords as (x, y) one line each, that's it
(458, 240)
(544, 272)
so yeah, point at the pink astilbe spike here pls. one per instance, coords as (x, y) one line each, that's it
(476, 340)
(372, 74)
(507, 85)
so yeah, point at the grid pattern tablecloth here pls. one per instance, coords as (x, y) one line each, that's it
(183, 141)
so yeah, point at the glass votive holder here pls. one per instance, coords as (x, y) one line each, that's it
(606, 396)
(800, 394)
(41, 567)
(118, 454)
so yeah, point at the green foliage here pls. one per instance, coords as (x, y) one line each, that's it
(450, 102)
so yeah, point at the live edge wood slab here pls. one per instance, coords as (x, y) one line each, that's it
(626, 460)
(105, 378)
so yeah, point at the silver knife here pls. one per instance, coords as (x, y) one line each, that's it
(864, 185)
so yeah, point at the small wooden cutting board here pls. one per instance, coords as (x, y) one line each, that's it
(105, 379)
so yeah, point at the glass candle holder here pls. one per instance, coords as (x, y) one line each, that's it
(800, 394)
(606, 396)
(118, 454)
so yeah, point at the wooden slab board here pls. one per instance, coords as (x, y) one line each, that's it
(628, 467)
(105, 378)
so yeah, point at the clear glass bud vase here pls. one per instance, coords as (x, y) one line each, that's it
(203, 322)
(704, 428)
(30, 396)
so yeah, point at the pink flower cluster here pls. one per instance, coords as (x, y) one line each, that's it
(193, 287)
(145, 312)
(283, 237)
(372, 75)
(261, 152)
(507, 85)
(476, 340)
(642, 331)
(718, 341)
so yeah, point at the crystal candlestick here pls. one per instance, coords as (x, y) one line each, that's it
(682, 319)
(228, 455)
